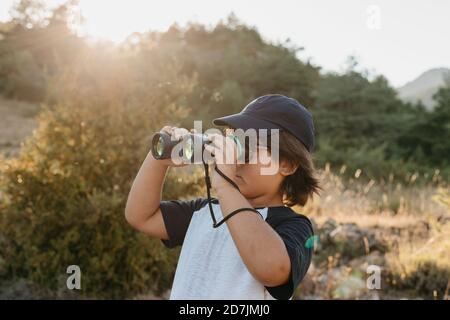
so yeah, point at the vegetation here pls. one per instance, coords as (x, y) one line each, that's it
(62, 197)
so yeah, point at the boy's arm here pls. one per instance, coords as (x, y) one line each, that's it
(260, 247)
(142, 209)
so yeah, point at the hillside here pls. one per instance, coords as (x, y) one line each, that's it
(424, 87)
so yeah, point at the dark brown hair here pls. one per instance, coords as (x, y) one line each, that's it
(303, 183)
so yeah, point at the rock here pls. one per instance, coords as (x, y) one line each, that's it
(348, 240)
(350, 287)
(328, 226)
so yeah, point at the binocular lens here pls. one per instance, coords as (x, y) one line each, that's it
(160, 146)
(188, 149)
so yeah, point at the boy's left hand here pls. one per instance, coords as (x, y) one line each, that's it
(224, 150)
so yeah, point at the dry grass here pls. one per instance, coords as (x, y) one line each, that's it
(369, 204)
(412, 218)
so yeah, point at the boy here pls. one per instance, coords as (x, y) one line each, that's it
(251, 256)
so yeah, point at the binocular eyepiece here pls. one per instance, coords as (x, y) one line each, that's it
(191, 147)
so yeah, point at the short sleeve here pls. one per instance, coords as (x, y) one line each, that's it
(295, 233)
(177, 215)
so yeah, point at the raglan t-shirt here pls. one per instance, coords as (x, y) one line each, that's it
(210, 267)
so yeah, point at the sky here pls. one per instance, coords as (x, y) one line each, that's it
(399, 39)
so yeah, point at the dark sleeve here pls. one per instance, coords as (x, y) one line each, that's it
(295, 233)
(177, 215)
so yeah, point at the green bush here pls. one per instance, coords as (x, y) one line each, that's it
(62, 200)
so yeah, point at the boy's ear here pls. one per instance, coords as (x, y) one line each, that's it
(286, 168)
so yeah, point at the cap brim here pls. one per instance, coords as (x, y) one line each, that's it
(244, 122)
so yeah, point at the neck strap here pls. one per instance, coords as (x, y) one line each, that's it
(208, 192)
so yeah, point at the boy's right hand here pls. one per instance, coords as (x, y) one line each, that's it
(177, 134)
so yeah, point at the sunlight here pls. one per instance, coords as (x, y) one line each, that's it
(115, 20)
(112, 20)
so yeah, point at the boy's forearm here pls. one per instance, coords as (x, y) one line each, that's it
(145, 194)
(261, 248)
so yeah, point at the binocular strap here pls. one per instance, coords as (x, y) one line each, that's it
(208, 192)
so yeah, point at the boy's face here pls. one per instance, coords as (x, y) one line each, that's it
(250, 180)
(252, 183)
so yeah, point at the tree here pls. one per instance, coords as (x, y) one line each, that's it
(30, 13)
(428, 138)
(359, 120)
(232, 64)
(36, 44)
(63, 198)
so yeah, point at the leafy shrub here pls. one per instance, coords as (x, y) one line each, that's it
(63, 199)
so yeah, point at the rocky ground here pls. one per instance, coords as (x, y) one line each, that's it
(344, 252)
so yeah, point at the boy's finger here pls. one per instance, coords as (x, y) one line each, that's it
(216, 138)
(179, 133)
(210, 148)
(217, 143)
(222, 144)
(167, 129)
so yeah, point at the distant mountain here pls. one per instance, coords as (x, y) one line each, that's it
(424, 87)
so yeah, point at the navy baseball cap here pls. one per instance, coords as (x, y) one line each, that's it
(274, 111)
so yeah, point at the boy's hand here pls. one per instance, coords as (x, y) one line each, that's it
(177, 134)
(224, 150)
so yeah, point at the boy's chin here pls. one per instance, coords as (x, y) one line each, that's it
(241, 184)
(244, 191)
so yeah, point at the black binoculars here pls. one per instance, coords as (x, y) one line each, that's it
(191, 148)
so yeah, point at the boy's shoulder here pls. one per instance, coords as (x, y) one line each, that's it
(284, 214)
